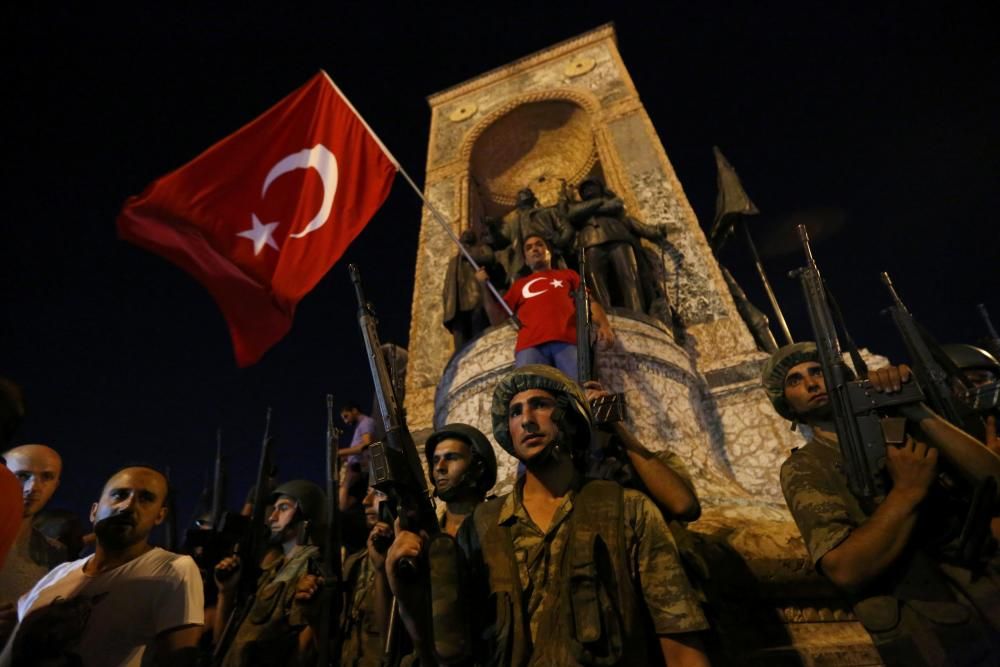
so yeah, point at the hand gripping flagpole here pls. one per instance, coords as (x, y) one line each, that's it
(444, 224)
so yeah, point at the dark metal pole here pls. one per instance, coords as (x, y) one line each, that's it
(767, 284)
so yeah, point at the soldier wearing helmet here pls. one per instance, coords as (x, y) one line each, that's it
(563, 572)
(270, 633)
(981, 372)
(463, 468)
(905, 594)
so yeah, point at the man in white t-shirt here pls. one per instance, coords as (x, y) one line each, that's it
(130, 604)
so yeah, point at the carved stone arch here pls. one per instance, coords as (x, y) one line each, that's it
(534, 140)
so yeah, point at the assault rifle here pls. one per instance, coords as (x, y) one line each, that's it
(395, 469)
(859, 412)
(249, 549)
(395, 466)
(606, 409)
(933, 370)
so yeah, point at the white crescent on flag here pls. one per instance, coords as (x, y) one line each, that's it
(324, 162)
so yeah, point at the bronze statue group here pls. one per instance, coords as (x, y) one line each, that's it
(405, 557)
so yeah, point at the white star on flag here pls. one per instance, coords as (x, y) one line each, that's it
(556, 283)
(260, 234)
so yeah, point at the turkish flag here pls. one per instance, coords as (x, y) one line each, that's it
(262, 215)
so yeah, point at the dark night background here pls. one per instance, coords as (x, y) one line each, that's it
(874, 118)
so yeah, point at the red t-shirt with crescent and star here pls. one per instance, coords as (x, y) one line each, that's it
(543, 301)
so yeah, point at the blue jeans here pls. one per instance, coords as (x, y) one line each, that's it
(560, 355)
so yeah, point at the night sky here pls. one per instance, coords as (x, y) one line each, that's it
(877, 122)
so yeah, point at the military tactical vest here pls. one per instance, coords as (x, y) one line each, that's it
(359, 637)
(591, 611)
(269, 633)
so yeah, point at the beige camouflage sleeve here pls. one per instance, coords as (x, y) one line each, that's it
(656, 567)
(675, 463)
(817, 505)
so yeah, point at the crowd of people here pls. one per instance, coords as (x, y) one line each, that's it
(582, 563)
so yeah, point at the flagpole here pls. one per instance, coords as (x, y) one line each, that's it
(767, 283)
(434, 212)
(444, 224)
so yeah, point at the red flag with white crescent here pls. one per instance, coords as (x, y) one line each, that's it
(262, 215)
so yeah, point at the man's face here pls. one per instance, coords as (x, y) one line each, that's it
(373, 503)
(529, 417)
(132, 503)
(452, 458)
(349, 416)
(283, 521)
(38, 468)
(805, 390)
(537, 254)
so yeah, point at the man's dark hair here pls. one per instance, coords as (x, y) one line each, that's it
(167, 499)
(548, 244)
(350, 405)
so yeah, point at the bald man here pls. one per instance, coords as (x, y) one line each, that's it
(129, 604)
(38, 469)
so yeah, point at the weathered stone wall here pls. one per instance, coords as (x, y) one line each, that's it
(588, 72)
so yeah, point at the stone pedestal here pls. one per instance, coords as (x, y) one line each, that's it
(766, 602)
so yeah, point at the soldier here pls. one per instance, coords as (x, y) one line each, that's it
(129, 603)
(982, 372)
(463, 468)
(367, 599)
(276, 631)
(38, 468)
(914, 603)
(562, 572)
(543, 302)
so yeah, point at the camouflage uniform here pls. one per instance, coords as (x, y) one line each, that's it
(359, 633)
(921, 612)
(269, 633)
(651, 567)
(619, 469)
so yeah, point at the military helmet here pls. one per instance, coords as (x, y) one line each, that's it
(311, 499)
(773, 374)
(969, 356)
(569, 399)
(477, 442)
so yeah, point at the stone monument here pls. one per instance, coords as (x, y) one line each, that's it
(549, 121)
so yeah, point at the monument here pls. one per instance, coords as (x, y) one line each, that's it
(548, 122)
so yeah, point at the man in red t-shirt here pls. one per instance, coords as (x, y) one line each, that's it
(543, 302)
